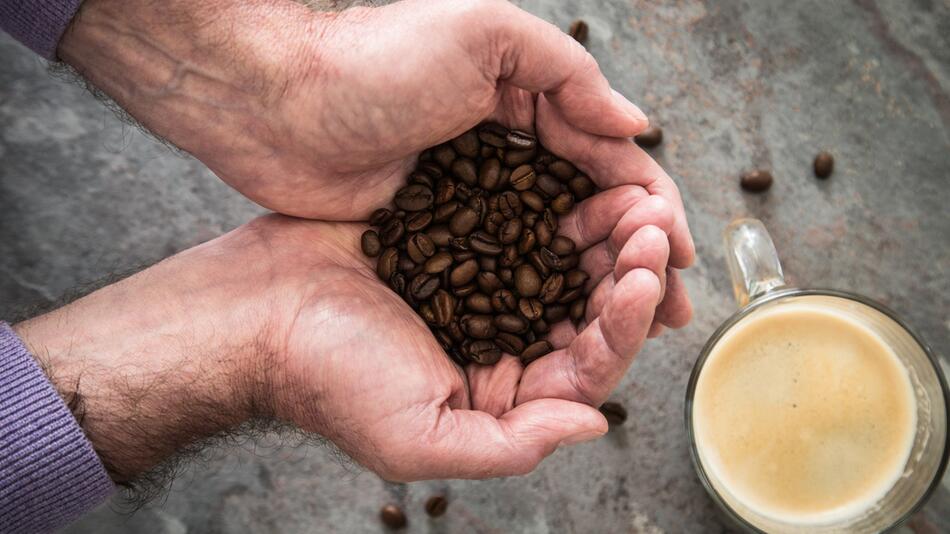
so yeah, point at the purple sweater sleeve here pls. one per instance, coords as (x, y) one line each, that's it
(49, 473)
(38, 23)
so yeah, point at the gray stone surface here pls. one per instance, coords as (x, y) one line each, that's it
(734, 84)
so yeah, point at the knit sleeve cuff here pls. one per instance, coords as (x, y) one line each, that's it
(38, 24)
(49, 473)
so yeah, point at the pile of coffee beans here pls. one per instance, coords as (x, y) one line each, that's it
(471, 244)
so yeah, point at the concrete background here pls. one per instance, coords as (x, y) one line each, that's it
(734, 84)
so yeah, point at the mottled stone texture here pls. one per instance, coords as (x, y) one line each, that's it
(734, 84)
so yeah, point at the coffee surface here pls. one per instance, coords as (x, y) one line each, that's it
(803, 415)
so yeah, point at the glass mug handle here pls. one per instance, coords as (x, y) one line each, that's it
(753, 261)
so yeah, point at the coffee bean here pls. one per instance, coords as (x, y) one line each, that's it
(510, 231)
(527, 281)
(425, 311)
(439, 235)
(529, 218)
(398, 283)
(420, 247)
(547, 185)
(530, 337)
(575, 278)
(581, 186)
(444, 212)
(479, 326)
(535, 350)
(614, 412)
(493, 222)
(503, 300)
(509, 343)
(578, 307)
(464, 169)
(534, 258)
(455, 330)
(388, 262)
(507, 276)
(540, 327)
(462, 191)
(562, 170)
(484, 352)
(824, 164)
(569, 262)
(465, 290)
(444, 156)
(444, 191)
(531, 309)
(370, 244)
(578, 30)
(514, 158)
(543, 234)
(550, 259)
(489, 174)
(380, 216)
(478, 303)
(563, 203)
(520, 140)
(464, 273)
(436, 505)
(418, 221)
(552, 288)
(399, 214)
(480, 206)
(423, 286)
(421, 178)
(392, 232)
(393, 517)
(405, 263)
(532, 200)
(571, 295)
(509, 257)
(463, 221)
(488, 263)
(488, 283)
(488, 151)
(509, 205)
(493, 134)
(562, 246)
(444, 339)
(756, 181)
(650, 137)
(523, 178)
(467, 144)
(484, 243)
(511, 323)
(432, 169)
(556, 313)
(443, 307)
(414, 197)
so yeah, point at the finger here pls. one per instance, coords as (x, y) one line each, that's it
(473, 444)
(598, 298)
(676, 310)
(611, 161)
(537, 56)
(592, 220)
(493, 387)
(650, 211)
(597, 262)
(597, 359)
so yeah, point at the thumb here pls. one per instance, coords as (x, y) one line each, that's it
(538, 57)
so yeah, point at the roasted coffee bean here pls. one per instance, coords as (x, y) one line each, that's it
(534, 258)
(547, 186)
(418, 221)
(488, 263)
(489, 174)
(575, 278)
(478, 303)
(556, 313)
(488, 151)
(464, 169)
(509, 205)
(484, 352)
(543, 233)
(570, 295)
(569, 262)
(578, 30)
(484, 243)
(455, 331)
(512, 324)
(444, 212)
(464, 273)
(414, 197)
(503, 300)
(614, 412)
(493, 222)
(444, 156)
(523, 178)
(509, 257)
(493, 134)
(399, 214)
(463, 221)
(432, 169)
(578, 307)
(530, 337)
(421, 178)
(467, 144)
(439, 235)
(520, 140)
(462, 191)
(443, 307)
(380, 216)
(562, 246)
(532, 200)
(479, 326)
(488, 283)
(581, 186)
(425, 311)
(436, 505)
(405, 263)
(420, 247)
(423, 286)
(444, 191)
(392, 232)
(552, 288)
(510, 231)
(507, 276)
(444, 339)
(824, 164)
(540, 327)
(550, 220)
(509, 343)
(459, 244)
(531, 309)
(650, 137)
(550, 259)
(393, 517)
(562, 170)
(514, 158)
(398, 282)
(439, 262)
(535, 350)
(480, 206)
(388, 263)
(563, 203)
(370, 244)
(466, 290)
(756, 181)
(527, 241)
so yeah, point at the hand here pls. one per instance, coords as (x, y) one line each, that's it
(286, 319)
(322, 115)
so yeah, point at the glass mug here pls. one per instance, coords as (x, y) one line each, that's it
(759, 286)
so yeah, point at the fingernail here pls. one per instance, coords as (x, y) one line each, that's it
(630, 108)
(581, 437)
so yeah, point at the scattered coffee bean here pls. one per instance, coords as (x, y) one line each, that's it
(650, 137)
(393, 517)
(436, 505)
(824, 164)
(756, 181)
(578, 31)
(370, 244)
(614, 412)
